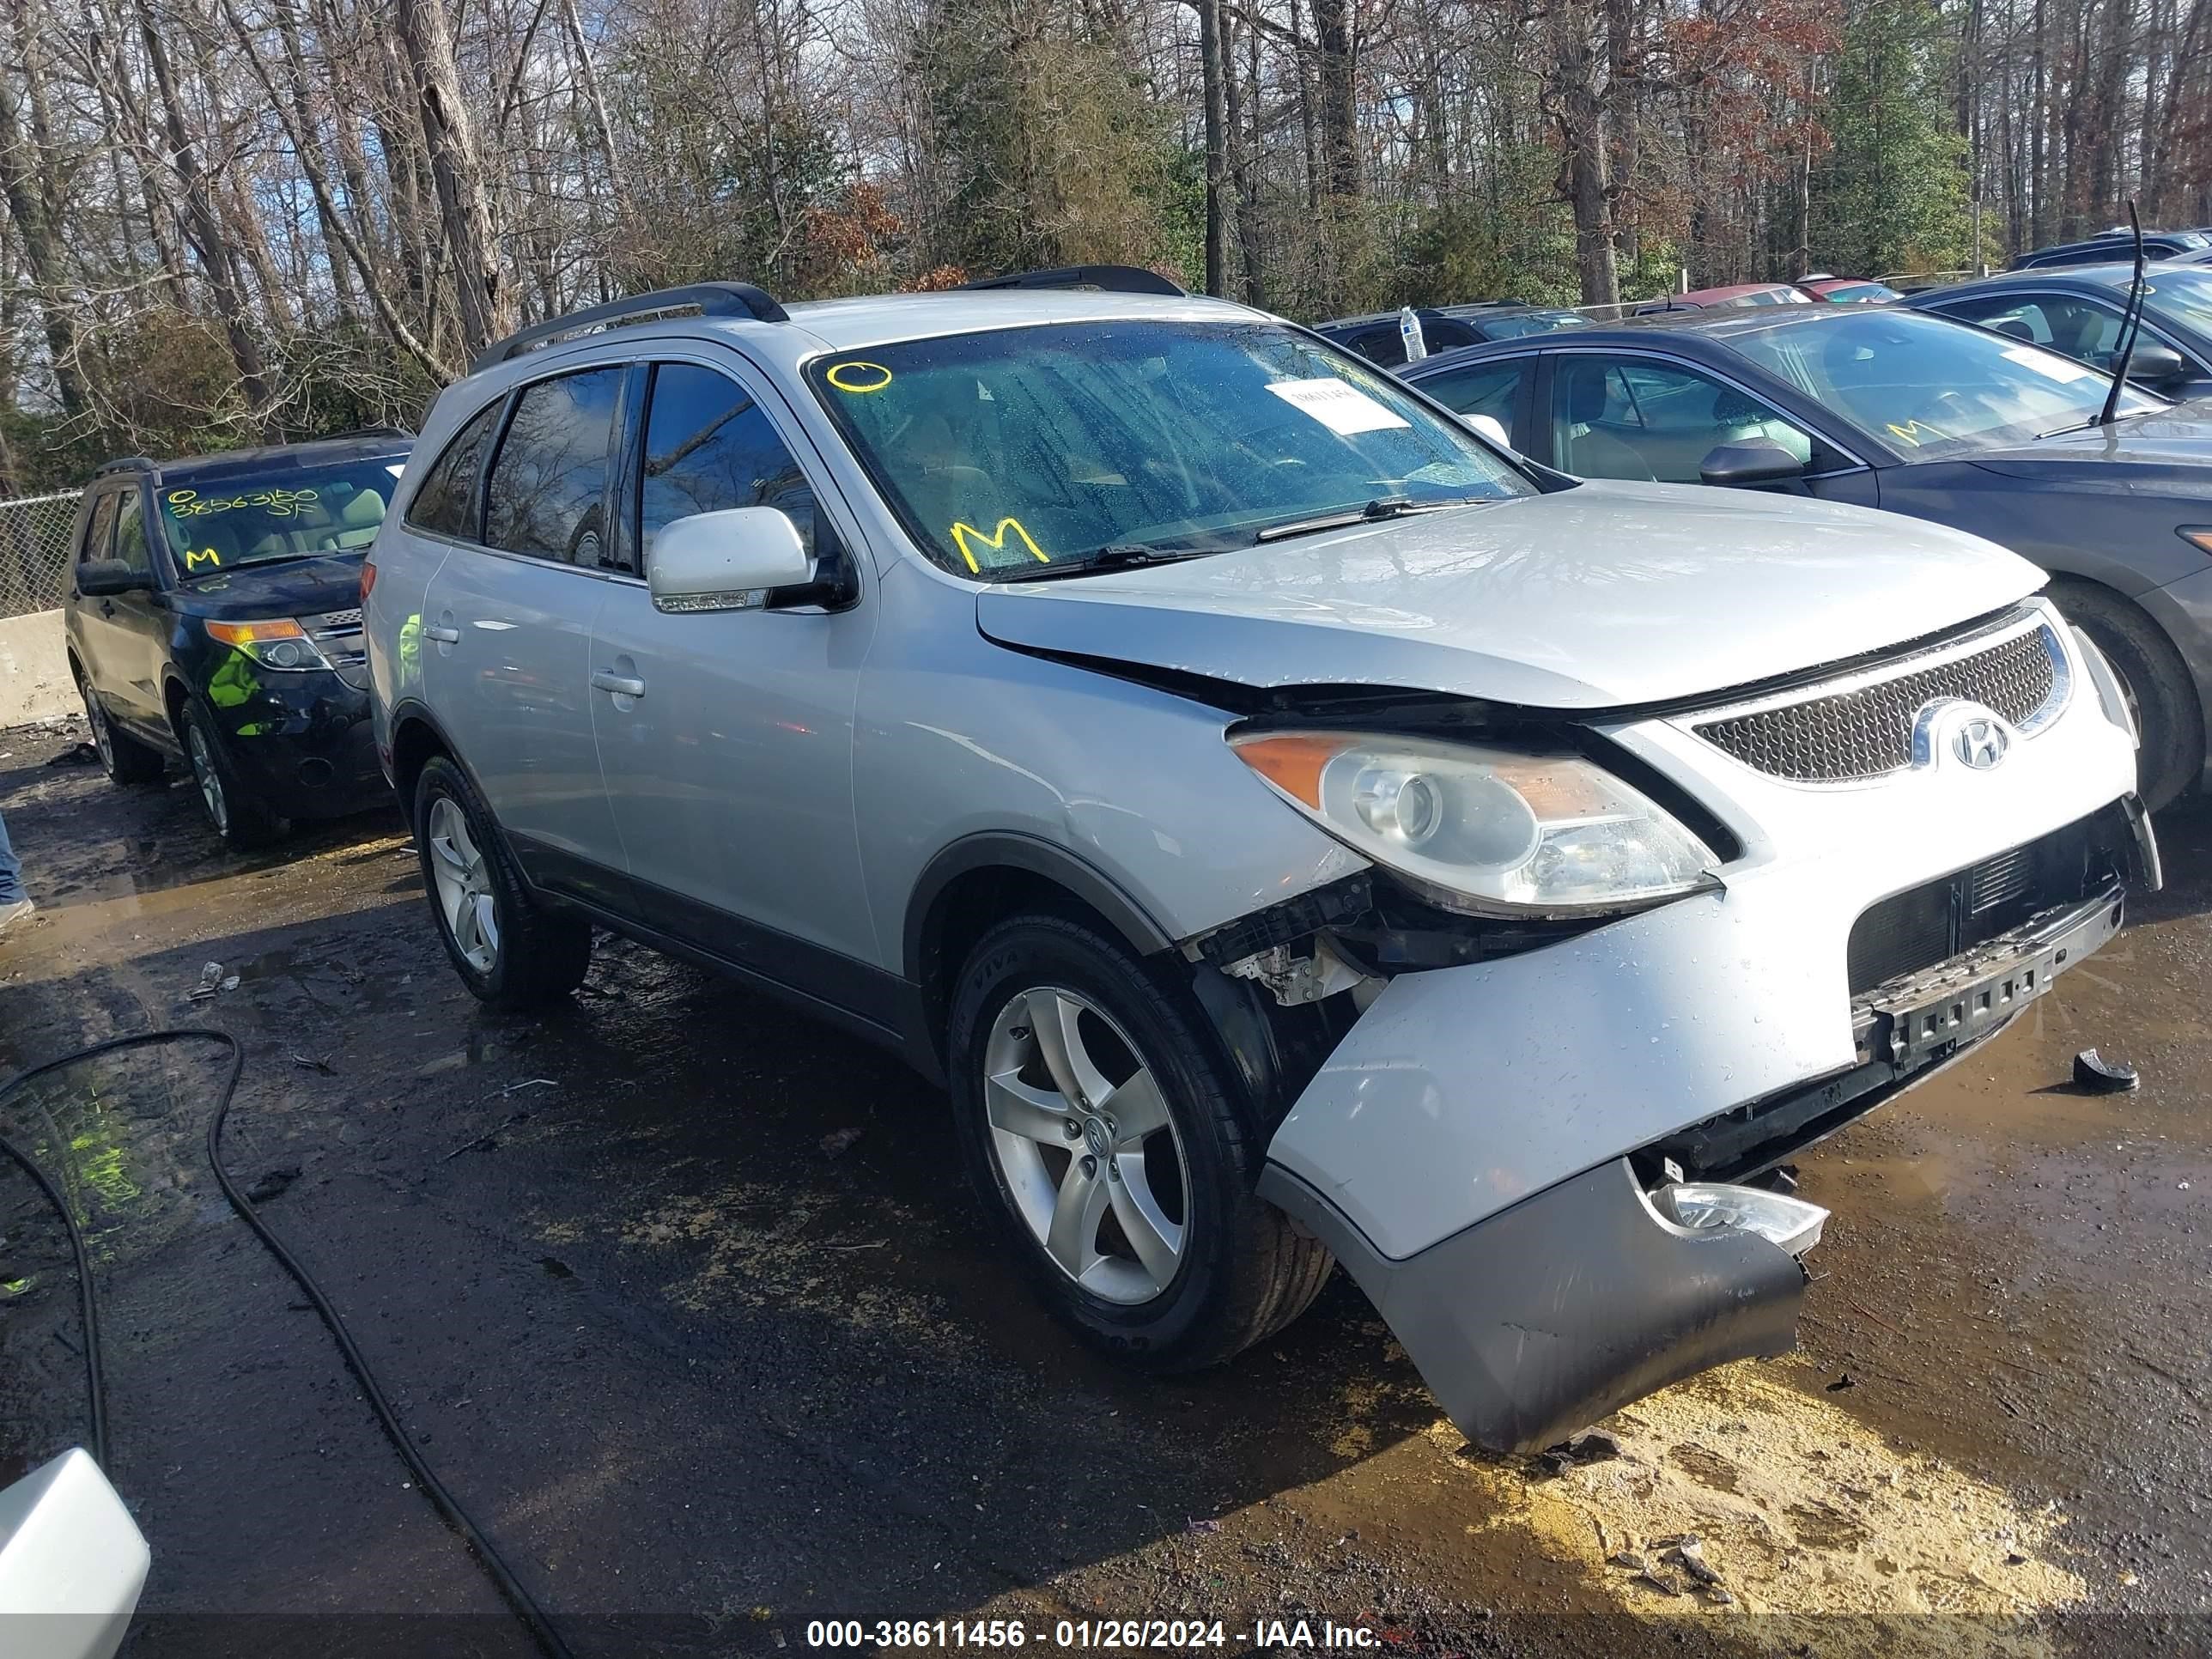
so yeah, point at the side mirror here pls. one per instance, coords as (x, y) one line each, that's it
(1749, 461)
(731, 560)
(72, 1561)
(101, 577)
(2153, 364)
(1491, 428)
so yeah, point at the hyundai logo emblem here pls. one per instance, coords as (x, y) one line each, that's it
(1980, 743)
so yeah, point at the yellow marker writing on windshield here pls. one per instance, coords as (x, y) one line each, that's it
(1912, 431)
(858, 376)
(193, 560)
(996, 541)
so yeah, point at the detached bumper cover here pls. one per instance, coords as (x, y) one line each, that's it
(1567, 1306)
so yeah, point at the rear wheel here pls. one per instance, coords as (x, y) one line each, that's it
(511, 950)
(1110, 1143)
(2160, 692)
(123, 757)
(237, 816)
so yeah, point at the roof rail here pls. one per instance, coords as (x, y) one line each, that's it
(127, 463)
(708, 299)
(1110, 279)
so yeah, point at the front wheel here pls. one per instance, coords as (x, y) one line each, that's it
(511, 950)
(2157, 684)
(1109, 1140)
(242, 820)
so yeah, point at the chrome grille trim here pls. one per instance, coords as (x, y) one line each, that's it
(1862, 726)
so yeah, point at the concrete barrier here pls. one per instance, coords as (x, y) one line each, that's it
(34, 677)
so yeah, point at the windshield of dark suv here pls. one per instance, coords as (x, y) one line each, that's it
(1930, 387)
(1071, 446)
(291, 513)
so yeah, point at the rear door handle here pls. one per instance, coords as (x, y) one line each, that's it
(621, 685)
(442, 635)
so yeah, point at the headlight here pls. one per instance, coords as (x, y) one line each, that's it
(1485, 830)
(280, 643)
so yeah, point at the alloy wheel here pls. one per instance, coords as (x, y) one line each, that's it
(209, 779)
(1087, 1145)
(465, 894)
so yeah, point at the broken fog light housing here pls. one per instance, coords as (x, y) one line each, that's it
(1485, 831)
(1790, 1222)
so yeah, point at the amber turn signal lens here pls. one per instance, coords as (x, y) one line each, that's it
(254, 633)
(1293, 765)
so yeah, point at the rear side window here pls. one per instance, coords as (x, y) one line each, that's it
(445, 505)
(546, 495)
(100, 536)
(709, 447)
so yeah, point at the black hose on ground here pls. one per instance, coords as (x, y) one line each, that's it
(494, 1565)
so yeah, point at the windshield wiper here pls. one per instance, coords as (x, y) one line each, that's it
(1114, 555)
(1383, 507)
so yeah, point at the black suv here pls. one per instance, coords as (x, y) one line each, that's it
(214, 616)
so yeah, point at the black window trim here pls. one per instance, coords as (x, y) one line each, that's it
(567, 370)
(1818, 431)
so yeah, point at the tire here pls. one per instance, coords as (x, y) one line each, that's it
(242, 819)
(123, 757)
(513, 952)
(2158, 683)
(1220, 1270)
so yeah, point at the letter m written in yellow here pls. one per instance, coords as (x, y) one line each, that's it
(965, 534)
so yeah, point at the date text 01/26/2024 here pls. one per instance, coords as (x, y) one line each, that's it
(1087, 1633)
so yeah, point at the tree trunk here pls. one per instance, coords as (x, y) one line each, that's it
(486, 309)
(1339, 115)
(26, 168)
(1581, 117)
(1213, 72)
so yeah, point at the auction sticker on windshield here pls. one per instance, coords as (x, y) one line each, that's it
(2064, 370)
(1343, 409)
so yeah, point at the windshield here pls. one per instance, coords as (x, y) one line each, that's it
(2184, 296)
(1857, 293)
(1514, 323)
(291, 513)
(1930, 387)
(1075, 444)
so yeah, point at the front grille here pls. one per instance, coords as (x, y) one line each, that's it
(336, 622)
(1867, 731)
(1928, 925)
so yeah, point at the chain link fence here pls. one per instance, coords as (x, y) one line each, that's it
(34, 533)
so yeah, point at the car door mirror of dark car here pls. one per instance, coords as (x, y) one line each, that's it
(2156, 365)
(1749, 461)
(98, 577)
(740, 558)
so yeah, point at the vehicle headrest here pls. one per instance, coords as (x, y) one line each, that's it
(1586, 392)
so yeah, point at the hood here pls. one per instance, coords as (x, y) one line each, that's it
(2169, 449)
(304, 587)
(1596, 596)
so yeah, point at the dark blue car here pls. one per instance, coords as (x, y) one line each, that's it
(214, 618)
(2080, 311)
(1899, 408)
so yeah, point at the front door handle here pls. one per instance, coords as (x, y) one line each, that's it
(442, 635)
(621, 685)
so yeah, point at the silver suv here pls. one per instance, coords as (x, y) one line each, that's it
(1294, 828)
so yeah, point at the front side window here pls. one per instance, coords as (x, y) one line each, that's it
(100, 530)
(446, 503)
(546, 494)
(2184, 296)
(292, 513)
(1930, 387)
(1083, 443)
(1631, 417)
(130, 532)
(709, 447)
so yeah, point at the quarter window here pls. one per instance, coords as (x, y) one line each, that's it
(445, 505)
(709, 447)
(1630, 417)
(1492, 389)
(546, 495)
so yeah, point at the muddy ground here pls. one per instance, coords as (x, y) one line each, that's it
(705, 1381)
